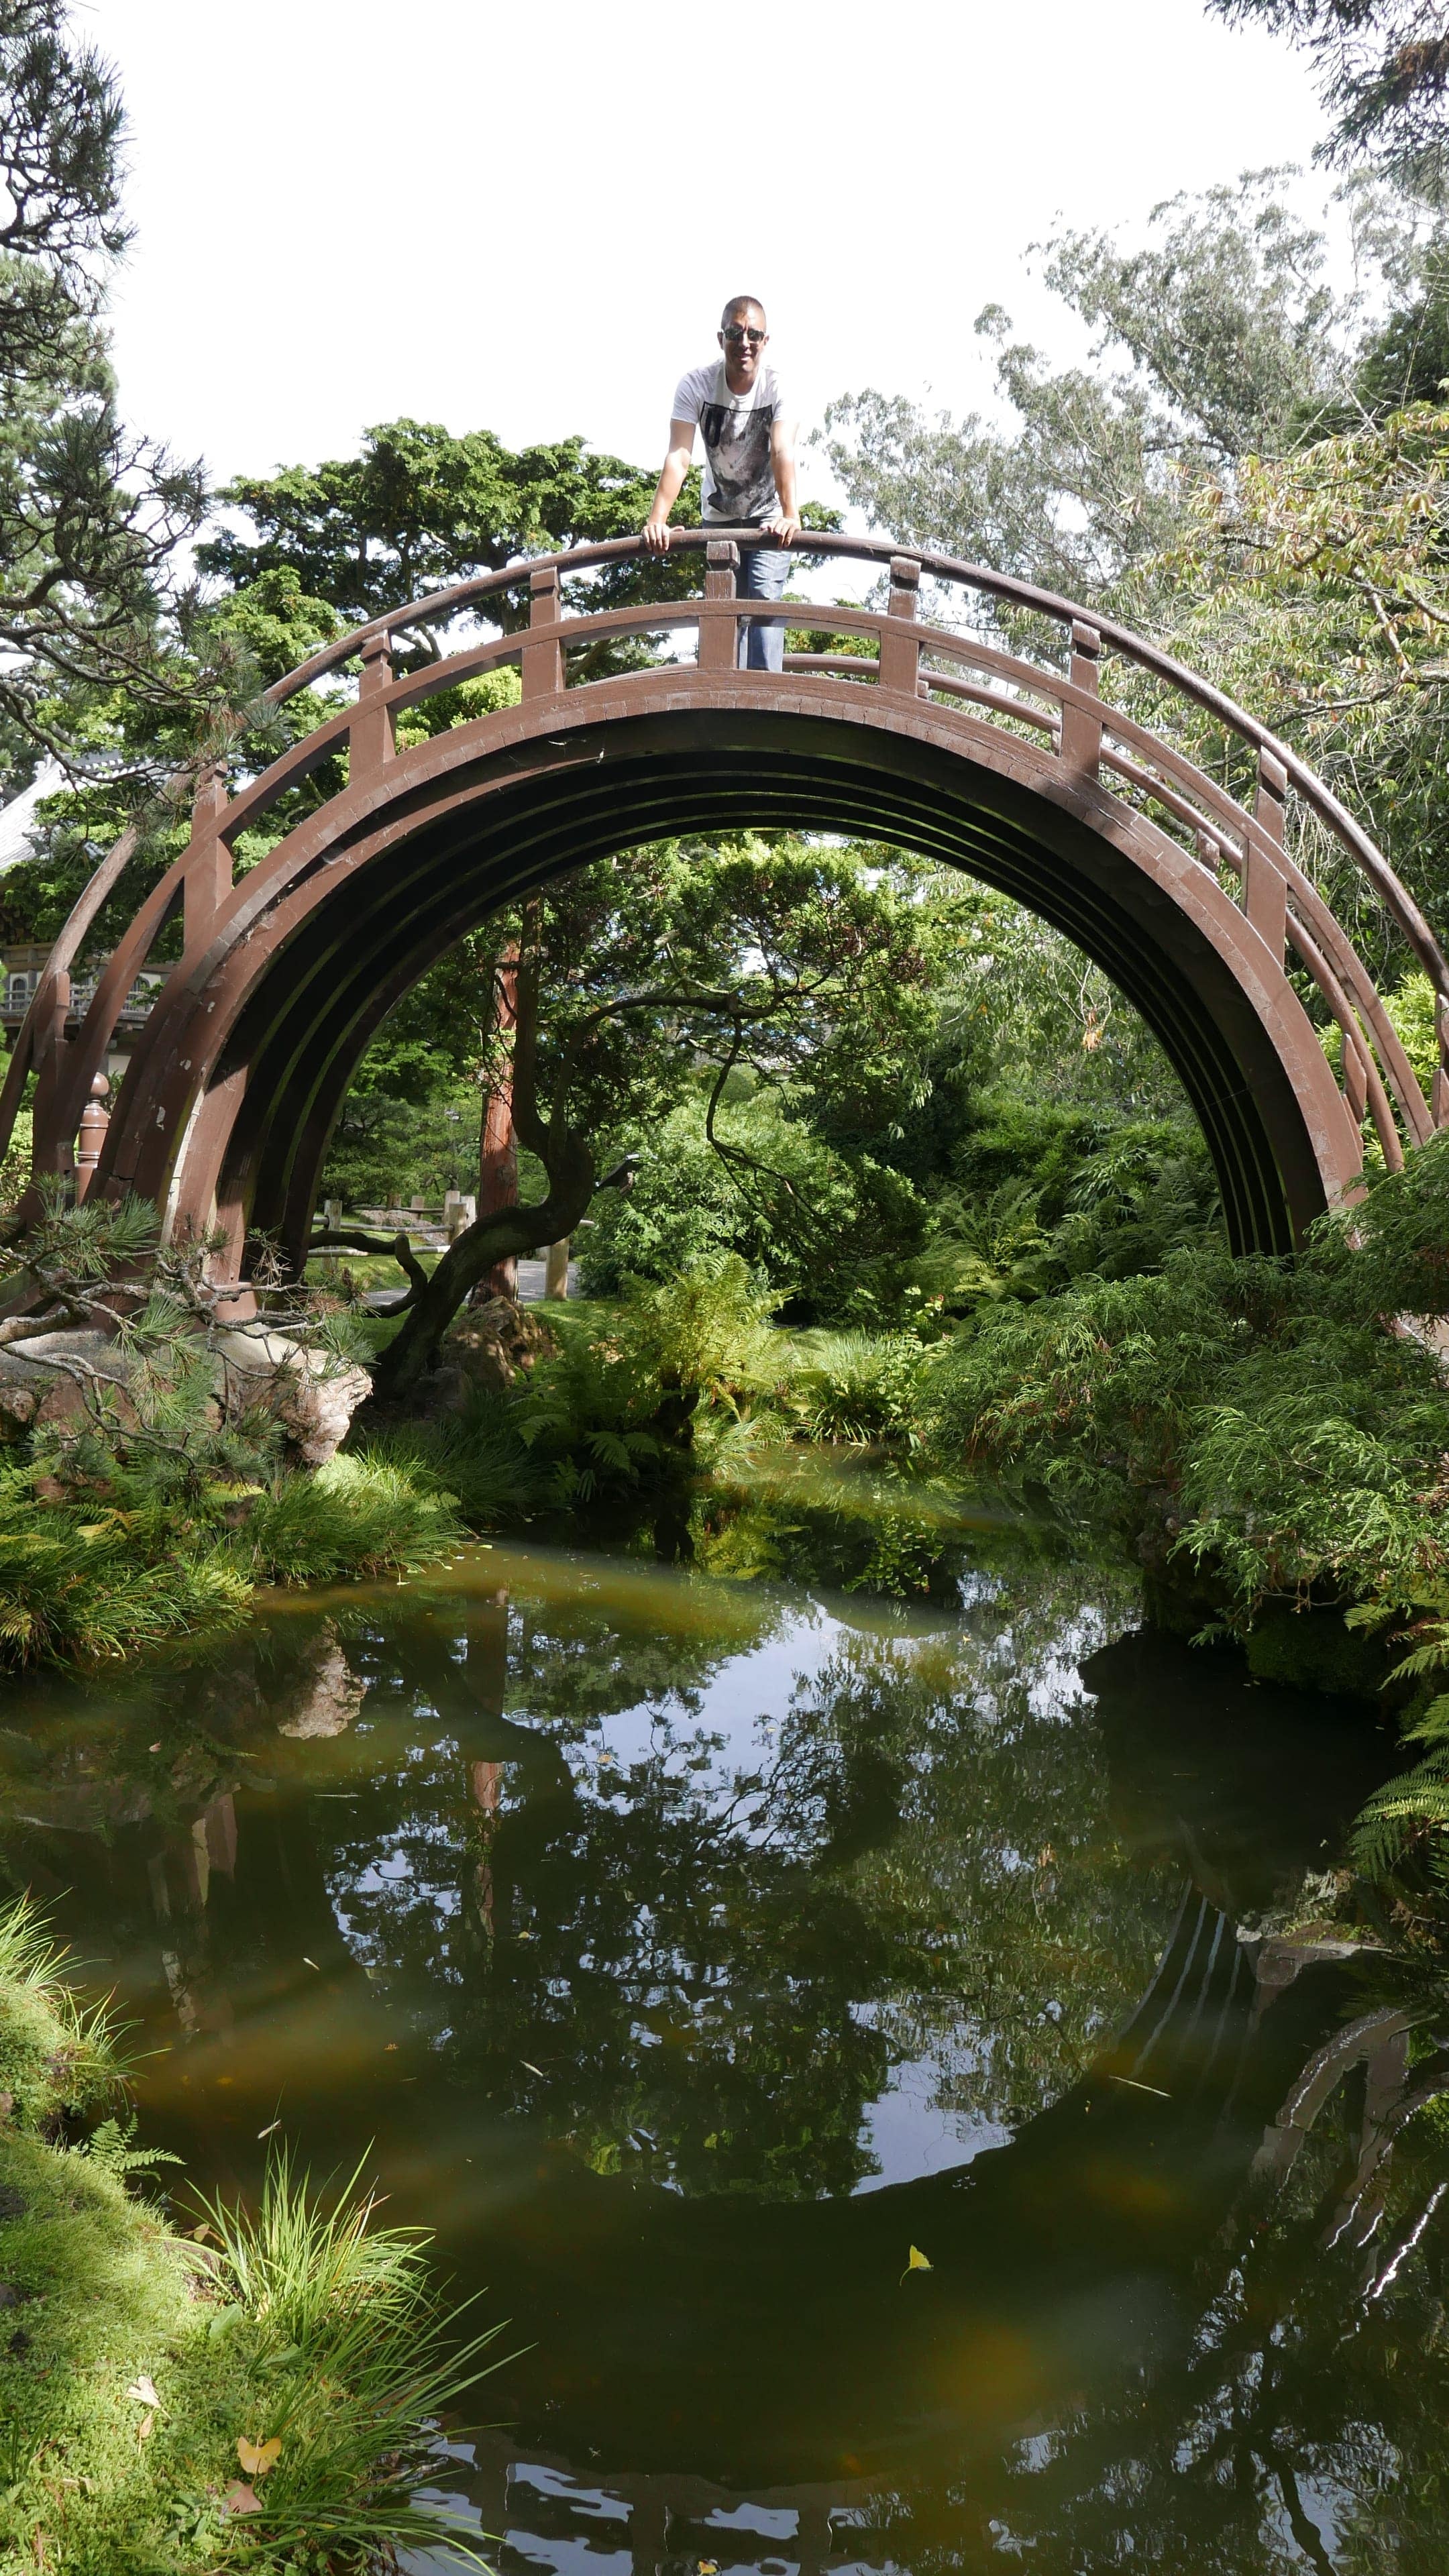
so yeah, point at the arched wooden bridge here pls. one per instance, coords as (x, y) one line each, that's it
(927, 736)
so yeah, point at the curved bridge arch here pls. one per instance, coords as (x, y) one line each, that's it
(926, 735)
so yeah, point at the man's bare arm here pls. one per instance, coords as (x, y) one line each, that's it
(671, 483)
(786, 526)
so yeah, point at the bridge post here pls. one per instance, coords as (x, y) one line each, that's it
(900, 655)
(1081, 744)
(94, 1120)
(208, 862)
(719, 636)
(370, 739)
(542, 657)
(1265, 895)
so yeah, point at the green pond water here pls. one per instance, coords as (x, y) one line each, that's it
(685, 1949)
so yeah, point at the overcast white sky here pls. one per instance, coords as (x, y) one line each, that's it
(526, 219)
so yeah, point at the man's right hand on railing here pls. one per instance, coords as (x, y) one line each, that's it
(656, 534)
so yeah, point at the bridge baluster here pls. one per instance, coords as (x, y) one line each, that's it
(370, 736)
(1439, 1101)
(1081, 746)
(543, 674)
(900, 655)
(1265, 898)
(719, 636)
(1355, 1077)
(208, 863)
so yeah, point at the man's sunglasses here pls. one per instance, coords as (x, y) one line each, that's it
(735, 332)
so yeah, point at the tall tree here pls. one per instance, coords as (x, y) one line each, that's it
(1383, 74)
(91, 514)
(784, 958)
(1217, 337)
(418, 508)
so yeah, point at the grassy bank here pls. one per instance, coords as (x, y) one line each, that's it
(107, 1572)
(256, 2395)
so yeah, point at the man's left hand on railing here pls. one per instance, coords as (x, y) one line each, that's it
(786, 527)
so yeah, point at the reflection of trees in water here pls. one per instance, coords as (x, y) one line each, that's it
(699, 1961)
(1023, 1930)
(701, 1965)
(701, 1968)
(1293, 2411)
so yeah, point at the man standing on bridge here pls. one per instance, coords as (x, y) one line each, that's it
(749, 449)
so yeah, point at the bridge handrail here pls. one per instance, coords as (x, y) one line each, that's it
(1331, 958)
(941, 567)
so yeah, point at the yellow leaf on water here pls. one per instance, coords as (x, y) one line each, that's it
(916, 2261)
(258, 2457)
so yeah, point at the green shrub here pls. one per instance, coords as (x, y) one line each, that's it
(827, 1229)
(1264, 1418)
(97, 1581)
(105, 1577)
(860, 1387)
(477, 1458)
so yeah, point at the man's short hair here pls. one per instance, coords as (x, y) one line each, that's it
(742, 304)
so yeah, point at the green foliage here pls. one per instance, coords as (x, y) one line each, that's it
(820, 1224)
(73, 1582)
(333, 2319)
(1211, 337)
(141, 2363)
(1259, 1418)
(112, 2146)
(356, 1517)
(57, 2055)
(419, 508)
(1383, 73)
(90, 515)
(475, 1460)
(859, 1387)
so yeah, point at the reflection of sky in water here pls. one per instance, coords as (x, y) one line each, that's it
(909, 2134)
(735, 1719)
(757, 1683)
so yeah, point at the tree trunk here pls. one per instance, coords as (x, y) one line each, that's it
(498, 1143)
(399, 1371)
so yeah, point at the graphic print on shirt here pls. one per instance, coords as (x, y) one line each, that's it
(739, 483)
(737, 444)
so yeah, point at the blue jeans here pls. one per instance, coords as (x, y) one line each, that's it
(764, 571)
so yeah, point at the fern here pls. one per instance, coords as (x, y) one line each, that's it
(110, 2146)
(1408, 1818)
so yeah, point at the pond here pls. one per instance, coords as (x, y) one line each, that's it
(879, 2056)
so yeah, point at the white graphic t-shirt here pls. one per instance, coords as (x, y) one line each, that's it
(739, 478)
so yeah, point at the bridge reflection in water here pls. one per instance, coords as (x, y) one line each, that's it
(633, 1898)
(1236, 2050)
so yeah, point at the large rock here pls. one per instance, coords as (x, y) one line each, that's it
(309, 1393)
(489, 1344)
(312, 1395)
